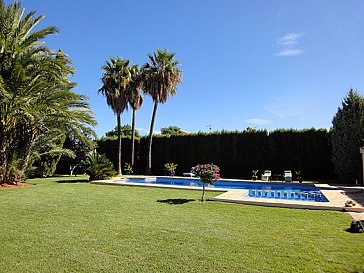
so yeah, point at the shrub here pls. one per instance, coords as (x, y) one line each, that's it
(207, 173)
(128, 169)
(99, 167)
(170, 168)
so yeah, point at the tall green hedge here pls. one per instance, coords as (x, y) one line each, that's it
(236, 153)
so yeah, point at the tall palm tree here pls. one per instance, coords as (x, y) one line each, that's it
(17, 49)
(35, 93)
(161, 77)
(135, 101)
(116, 80)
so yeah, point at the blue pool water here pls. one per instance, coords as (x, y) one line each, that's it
(273, 190)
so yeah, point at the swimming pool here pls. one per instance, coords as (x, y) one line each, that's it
(273, 190)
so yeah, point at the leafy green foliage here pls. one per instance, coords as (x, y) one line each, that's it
(170, 168)
(347, 136)
(109, 147)
(171, 131)
(99, 167)
(37, 105)
(207, 173)
(116, 82)
(237, 153)
(126, 131)
(128, 169)
(161, 76)
(72, 163)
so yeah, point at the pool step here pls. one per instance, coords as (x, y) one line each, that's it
(290, 195)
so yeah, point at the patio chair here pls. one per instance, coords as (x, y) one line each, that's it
(267, 175)
(287, 176)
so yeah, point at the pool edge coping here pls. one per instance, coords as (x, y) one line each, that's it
(332, 193)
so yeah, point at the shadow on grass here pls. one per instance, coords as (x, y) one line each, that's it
(73, 181)
(178, 201)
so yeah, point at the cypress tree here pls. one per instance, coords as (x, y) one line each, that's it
(347, 134)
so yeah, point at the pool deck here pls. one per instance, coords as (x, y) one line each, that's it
(337, 196)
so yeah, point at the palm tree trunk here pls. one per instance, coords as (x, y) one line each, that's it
(5, 144)
(149, 158)
(4, 149)
(119, 143)
(133, 137)
(28, 147)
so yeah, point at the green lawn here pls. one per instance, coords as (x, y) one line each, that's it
(58, 225)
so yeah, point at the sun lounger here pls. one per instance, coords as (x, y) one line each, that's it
(267, 175)
(287, 176)
(190, 174)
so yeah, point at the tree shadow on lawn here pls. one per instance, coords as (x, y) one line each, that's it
(178, 201)
(73, 181)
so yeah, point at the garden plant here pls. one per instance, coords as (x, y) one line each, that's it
(207, 174)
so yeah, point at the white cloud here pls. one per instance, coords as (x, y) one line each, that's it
(258, 121)
(287, 44)
(289, 39)
(290, 52)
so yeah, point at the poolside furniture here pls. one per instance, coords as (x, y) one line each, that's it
(267, 175)
(287, 176)
(190, 174)
(255, 175)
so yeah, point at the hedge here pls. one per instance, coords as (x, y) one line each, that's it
(236, 153)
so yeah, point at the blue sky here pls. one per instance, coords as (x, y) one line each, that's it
(262, 64)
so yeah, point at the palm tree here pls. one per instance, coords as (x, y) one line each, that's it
(17, 46)
(161, 77)
(135, 101)
(35, 93)
(116, 80)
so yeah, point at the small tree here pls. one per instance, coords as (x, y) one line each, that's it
(207, 173)
(171, 131)
(80, 146)
(126, 131)
(128, 168)
(347, 135)
(170, 168)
